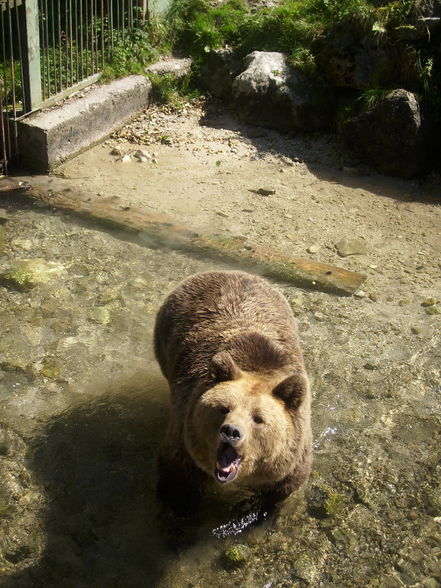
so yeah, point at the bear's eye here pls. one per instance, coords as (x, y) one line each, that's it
(258, 419)
(224, 409)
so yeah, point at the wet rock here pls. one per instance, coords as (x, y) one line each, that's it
(323, 501)
(21, 243)
(306, 569)
(392, 136)
(270, 93)
(51, 368)
(432, 502)
(29, 273)
(100, 315)
(236, 556)
(347, 247)
(4, 216)
(14, 364)
(2, 240)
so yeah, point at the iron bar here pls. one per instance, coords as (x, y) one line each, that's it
(49, 48)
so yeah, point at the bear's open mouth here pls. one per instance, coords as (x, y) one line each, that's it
(228, 461)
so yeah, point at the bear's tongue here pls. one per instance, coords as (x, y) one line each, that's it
(227, 463)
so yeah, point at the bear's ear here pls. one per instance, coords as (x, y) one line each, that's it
(292, 390)
(222, 368)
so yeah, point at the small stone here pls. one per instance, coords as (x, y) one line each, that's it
(116, 151)
(319, 316)
(51, 369)
(266, 191)
(428, 302)
(373, 297)
(20, 243)
(220, 213)
(313, 249)
(235, 556)
(125, 159)
(360, 294)
(369, 365)
(306, 569)
(99, 315)
(347, 247)
(4, 216)
(403, 302)
(142, 156)
(415, 330)
(29, 273)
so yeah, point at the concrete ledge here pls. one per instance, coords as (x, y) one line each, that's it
(48, 138)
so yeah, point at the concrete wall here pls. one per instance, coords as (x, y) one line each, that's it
(48, 138)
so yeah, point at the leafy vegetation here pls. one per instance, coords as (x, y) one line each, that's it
(295, 26)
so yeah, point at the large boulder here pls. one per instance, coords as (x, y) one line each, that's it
(271, 93)
(392, 136)
(217, 72)
(349, 58)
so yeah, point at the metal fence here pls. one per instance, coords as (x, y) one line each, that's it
(51, 48)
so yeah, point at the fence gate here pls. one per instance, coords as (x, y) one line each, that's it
(50, 49)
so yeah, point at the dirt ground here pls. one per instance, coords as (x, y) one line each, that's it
(82, 403)
(205, 169)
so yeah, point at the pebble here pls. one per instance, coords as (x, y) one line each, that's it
(360, 294)
(347, 247)
(20, 243)
(266, 191)
(142, 156)
(125, 159)
(415, 330)
(236, 556)
(116, 151)
(313, 249)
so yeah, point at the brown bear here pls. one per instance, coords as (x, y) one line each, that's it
(227, 343)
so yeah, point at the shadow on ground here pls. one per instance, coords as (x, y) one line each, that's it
(96, 463)
(327, 157)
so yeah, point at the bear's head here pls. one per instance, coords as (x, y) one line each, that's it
(247, 426)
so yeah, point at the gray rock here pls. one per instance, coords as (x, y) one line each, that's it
(273, 94)
(29, 273)
(392, 136)
(347, 247)
(179, 67)
(349, 60)
(217, 72)
(236, 556)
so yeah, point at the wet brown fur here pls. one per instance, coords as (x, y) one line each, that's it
(230, 338)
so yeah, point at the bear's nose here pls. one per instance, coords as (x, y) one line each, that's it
(231, 433)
